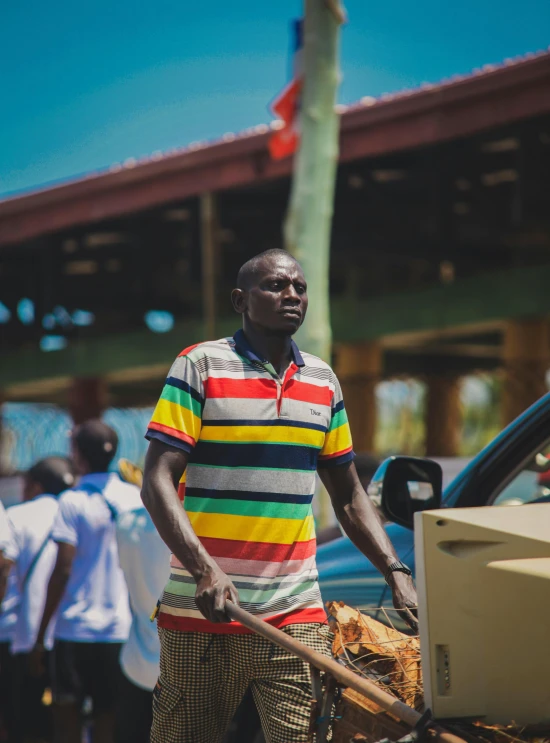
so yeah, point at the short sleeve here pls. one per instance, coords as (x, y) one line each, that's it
(178, 415)
(337, 448)
(65, 526)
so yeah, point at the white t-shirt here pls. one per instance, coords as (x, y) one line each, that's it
(145, 560)
(31, 524)
(10, 604)
(94, 607)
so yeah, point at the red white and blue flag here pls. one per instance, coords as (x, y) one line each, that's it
(286, 106)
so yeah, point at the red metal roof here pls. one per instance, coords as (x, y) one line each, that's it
(461, 106)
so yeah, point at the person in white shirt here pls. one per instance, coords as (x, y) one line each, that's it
(87, 589)
(145, 561)
(31, 553)
(8, 615)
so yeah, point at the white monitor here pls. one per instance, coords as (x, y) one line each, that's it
(483, 579)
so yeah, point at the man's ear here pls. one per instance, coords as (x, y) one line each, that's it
(239, 300)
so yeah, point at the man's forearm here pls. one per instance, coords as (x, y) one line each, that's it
(358, 516)
(160, 498)
(164, 466)
(56, 589)
(361, 522)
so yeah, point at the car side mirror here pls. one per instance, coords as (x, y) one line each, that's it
(406, 485)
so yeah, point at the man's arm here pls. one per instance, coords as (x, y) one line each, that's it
(164, 466)
(56, 586)
(362, 524)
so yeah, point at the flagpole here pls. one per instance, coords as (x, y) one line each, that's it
(309, 219)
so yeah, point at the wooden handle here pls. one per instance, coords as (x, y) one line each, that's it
(346, 677)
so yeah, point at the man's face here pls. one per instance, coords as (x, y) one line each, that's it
(277, 300)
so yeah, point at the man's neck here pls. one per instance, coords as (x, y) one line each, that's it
(275, 348)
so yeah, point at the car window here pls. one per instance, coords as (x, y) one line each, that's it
(531, 484)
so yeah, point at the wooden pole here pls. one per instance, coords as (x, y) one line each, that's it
(443, 415)
(209, 258)
(344, 676)
(309, 218)
(87, 398)
(359, 369)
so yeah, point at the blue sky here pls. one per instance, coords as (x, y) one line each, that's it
(88, 84)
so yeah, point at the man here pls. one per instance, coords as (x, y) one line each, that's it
(88, 586)
(31, 554)
(145, 561)
(242, 424)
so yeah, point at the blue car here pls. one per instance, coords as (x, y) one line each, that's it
(512, 470)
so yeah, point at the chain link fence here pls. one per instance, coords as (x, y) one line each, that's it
(33, 431)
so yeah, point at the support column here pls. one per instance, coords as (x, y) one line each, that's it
(526, 354)
(359, 368)
(209, 262)
(443, 415)
(87, 398)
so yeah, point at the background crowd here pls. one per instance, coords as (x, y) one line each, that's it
(81, 569)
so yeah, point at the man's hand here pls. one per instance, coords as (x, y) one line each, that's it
(37, 664)
(213, 588)
(404, 598)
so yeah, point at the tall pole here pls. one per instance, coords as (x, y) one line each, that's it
(309, 218)
(208, 258)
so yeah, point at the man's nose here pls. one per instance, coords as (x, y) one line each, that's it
(291, 295)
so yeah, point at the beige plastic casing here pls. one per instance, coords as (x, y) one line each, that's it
(483, 580)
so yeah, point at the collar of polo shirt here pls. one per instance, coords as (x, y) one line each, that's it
(244, 349)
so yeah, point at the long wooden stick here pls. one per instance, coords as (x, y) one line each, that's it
(346, 677)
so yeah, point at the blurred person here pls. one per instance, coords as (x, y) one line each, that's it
(87, 589)
(9, 604)
(31, 553)
(145, 562)
(241, 427)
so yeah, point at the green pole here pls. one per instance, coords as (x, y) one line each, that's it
(309, 218)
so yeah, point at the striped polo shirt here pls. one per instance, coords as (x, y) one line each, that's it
(255, 441)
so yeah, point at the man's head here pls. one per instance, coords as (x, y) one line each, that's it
(52, 475)
(94, 445)
(271, 293)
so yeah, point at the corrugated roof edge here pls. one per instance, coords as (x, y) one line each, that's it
(255, 138)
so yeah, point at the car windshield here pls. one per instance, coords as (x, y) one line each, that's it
(530, 485)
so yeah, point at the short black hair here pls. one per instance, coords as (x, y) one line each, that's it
(53, 474)
(97, 444)
(248, 270)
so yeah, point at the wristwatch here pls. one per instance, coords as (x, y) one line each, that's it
(396, 567)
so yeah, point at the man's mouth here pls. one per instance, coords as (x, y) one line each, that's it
(291, 312)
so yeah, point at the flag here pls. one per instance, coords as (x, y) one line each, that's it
(286, 106)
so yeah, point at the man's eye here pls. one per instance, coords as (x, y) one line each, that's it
(301, 289)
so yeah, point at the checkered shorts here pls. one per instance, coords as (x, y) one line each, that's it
(203, 678)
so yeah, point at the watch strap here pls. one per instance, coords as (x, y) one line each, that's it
(396, 567)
